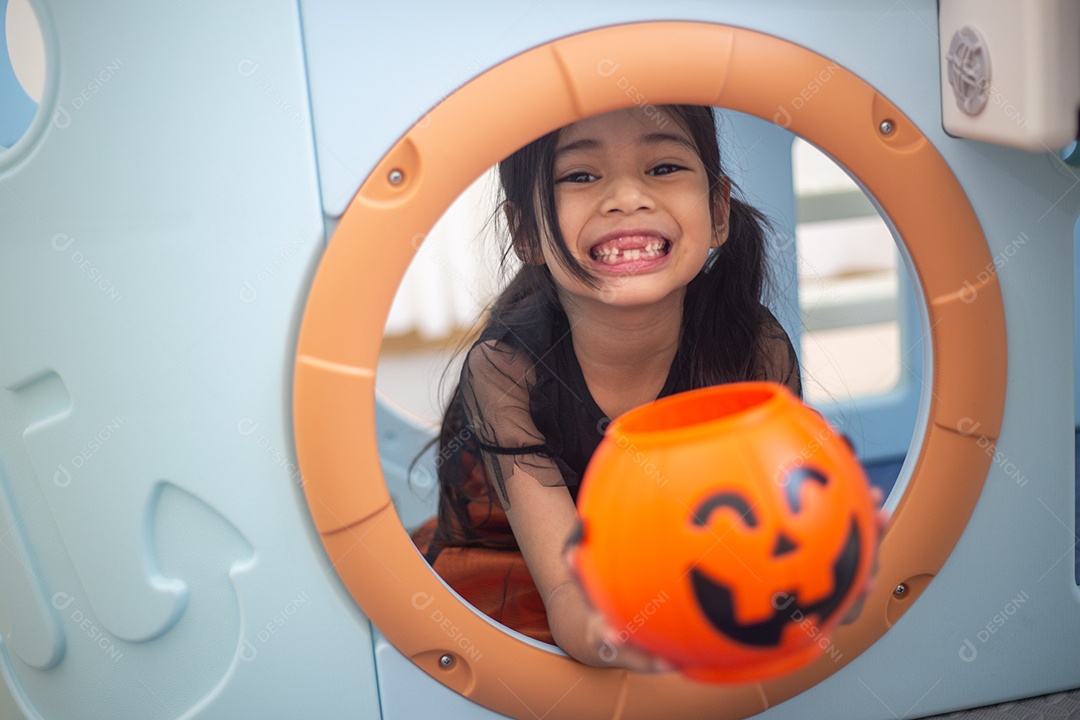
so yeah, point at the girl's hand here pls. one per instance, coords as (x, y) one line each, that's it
(619, 652)
(882, 520)
(611, 648)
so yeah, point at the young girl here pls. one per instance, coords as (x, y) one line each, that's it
(641, 277)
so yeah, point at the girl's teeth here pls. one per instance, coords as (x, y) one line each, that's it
(611, 255)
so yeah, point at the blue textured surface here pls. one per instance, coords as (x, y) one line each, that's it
(158, 235)
(883, 474)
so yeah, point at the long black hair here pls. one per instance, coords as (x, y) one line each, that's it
(725, 326)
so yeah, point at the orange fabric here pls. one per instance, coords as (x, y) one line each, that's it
(495, 582)
(491, 576)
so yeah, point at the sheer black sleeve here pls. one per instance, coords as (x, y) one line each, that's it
(497, 384)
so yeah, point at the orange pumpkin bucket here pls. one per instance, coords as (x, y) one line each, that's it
(727, 529)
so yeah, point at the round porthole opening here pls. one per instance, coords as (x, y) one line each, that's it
(577, 77)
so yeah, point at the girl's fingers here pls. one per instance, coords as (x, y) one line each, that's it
(631, 658)
(882, 517)
(877, 496)
(853, 612)
(618, 652)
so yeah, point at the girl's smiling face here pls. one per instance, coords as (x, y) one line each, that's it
(633, 202)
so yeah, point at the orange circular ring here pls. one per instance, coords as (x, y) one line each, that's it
(533, 93)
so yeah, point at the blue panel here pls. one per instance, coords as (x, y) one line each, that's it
(158, 243)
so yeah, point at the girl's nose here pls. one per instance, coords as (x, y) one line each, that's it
(627, 195)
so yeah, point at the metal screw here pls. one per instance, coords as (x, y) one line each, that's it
(446, 661)
(900, 591)
(886, 127)
(396, 177)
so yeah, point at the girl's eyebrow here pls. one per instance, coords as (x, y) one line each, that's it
(582, 144)
(656, 138)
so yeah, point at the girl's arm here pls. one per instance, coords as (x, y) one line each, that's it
(496, 382)
(542, 519)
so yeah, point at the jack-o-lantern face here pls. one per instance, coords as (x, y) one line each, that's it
(717, 600)
(697, 549)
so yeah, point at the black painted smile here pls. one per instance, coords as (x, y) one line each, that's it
(716, 600)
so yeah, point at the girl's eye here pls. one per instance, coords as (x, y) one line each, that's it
(577, 177)
(666, 169)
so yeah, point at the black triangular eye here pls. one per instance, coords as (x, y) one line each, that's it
(795, 480)
(724, 500)
(783, 546)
